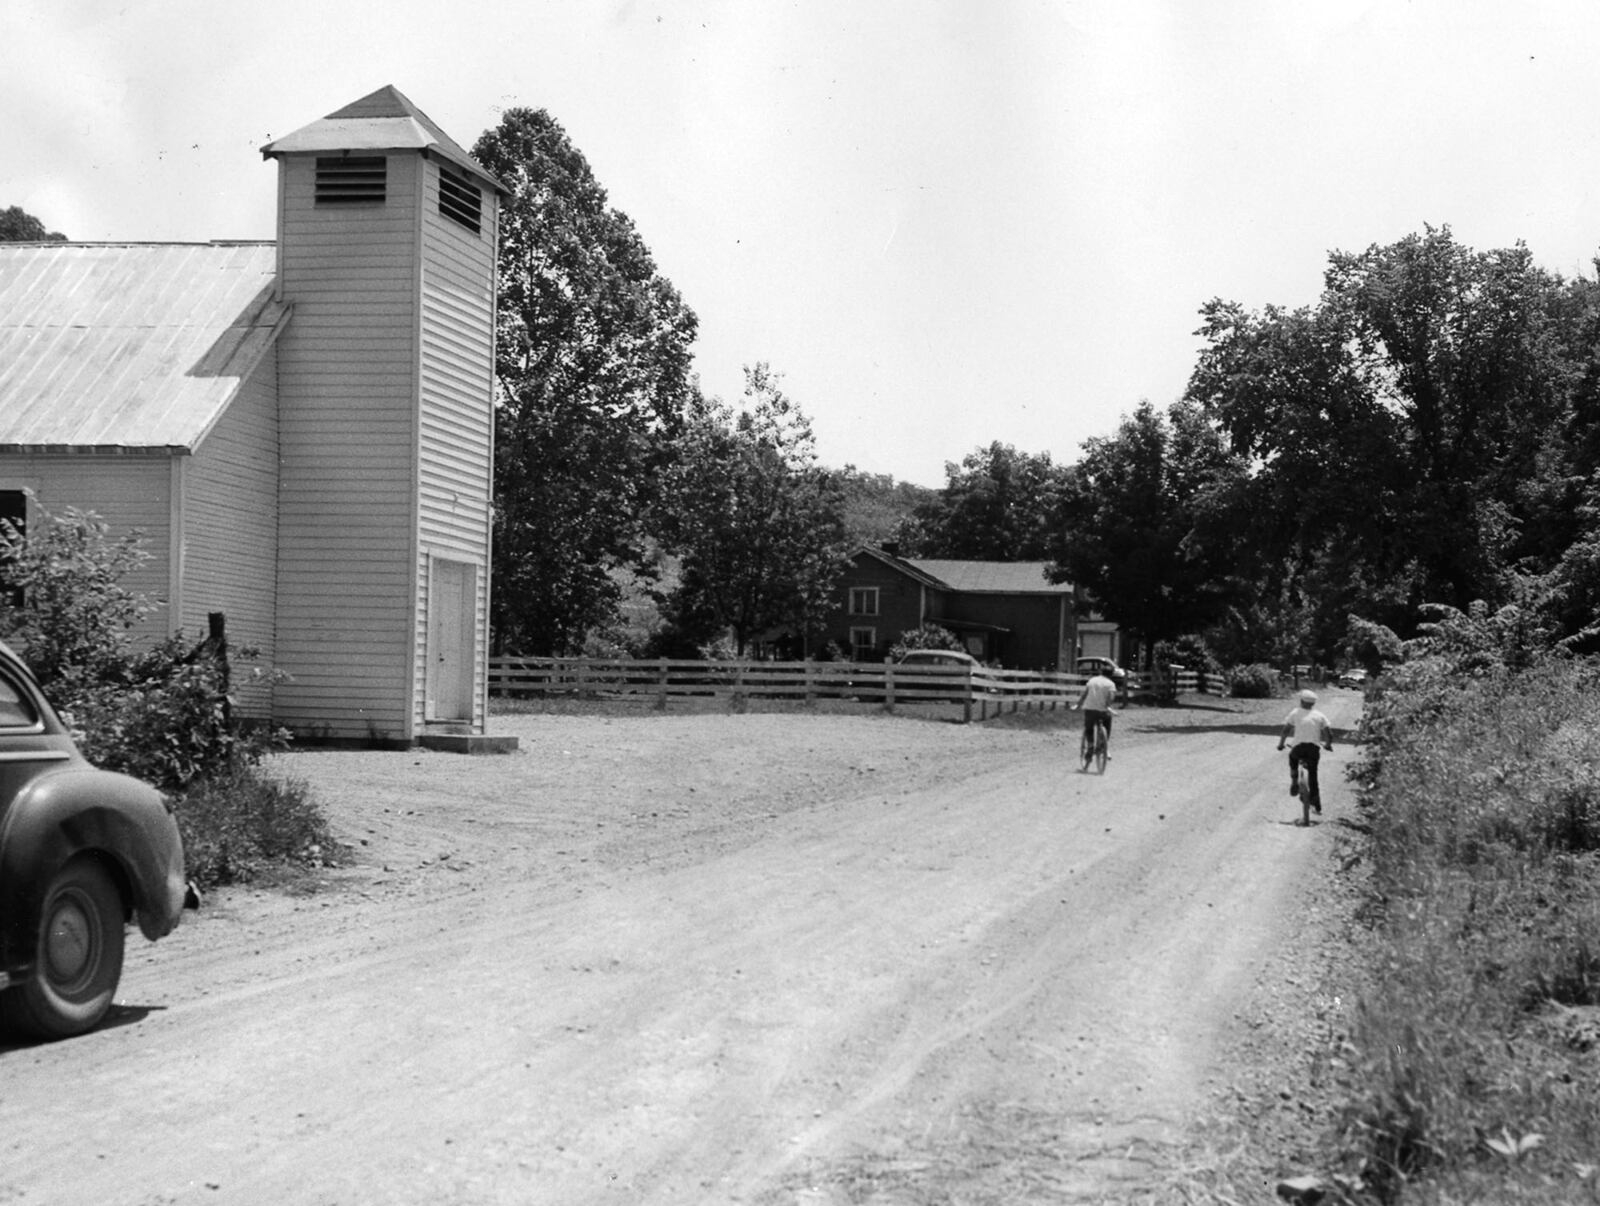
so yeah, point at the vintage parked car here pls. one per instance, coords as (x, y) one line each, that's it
(1102, 665)
(951, 661)
(82, 852)
(1355, 677)
(953, 658)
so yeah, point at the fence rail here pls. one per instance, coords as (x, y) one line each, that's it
(986, 692)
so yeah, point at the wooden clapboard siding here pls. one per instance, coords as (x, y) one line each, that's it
(456, 418)
(230, 530)
(132, 493)
(347, 433)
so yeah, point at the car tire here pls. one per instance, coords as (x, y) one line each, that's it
(78, 957)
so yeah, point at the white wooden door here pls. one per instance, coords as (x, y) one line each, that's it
(452, 610)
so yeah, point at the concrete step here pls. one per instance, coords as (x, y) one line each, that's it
(468, 743)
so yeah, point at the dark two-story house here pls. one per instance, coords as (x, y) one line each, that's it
(1005, 612)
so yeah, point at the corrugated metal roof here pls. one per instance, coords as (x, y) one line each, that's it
(1003, 577)
(128, 346)
(384, 120)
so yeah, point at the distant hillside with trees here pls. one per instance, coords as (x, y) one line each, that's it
(876, 506)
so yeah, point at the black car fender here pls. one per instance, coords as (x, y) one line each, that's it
(78, 811)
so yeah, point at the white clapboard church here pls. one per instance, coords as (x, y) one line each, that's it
(302, 430)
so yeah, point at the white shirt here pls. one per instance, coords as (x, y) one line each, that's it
(1310, 726)
(1098, 693)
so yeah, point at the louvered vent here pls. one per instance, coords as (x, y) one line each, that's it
(351, 179)
(461, 200)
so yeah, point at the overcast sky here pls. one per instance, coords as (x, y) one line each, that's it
(944, 223)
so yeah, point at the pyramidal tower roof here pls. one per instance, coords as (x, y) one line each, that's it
(384, 120)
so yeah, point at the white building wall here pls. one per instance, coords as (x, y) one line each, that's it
(133, 493)
(348, 434)
(455, 469)
(230, 533)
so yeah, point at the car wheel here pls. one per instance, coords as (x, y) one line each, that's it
(78, 957)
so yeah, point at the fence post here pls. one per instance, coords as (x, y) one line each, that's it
(661, 682)
(217, 639)
(888, 687)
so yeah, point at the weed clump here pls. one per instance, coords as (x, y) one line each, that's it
(1481, 777)
(244, 822)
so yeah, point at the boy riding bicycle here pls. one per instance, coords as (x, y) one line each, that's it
(1311, 734)
(1095, 700)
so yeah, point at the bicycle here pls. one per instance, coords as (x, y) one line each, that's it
(1302, 780)
(1092, 749)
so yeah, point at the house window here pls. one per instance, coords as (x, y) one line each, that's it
(460, 200)
(13, 511)
(863, 600)
(351, 179)
(862, 643)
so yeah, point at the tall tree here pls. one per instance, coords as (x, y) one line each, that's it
(1131, 512)
(592, 353)
(998, 504)
(757, 523)
(1405, 434)
(17, 225)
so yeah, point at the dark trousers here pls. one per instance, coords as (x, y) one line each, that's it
(1309, 754)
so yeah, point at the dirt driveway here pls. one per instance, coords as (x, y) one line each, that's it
(796, 959)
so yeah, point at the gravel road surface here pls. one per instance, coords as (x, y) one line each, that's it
(706, 958)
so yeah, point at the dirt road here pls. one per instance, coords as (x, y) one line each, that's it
(764, 959)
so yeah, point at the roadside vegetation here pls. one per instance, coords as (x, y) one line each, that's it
(163, 714)
(1473, 1061)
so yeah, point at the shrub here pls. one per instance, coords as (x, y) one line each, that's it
(165, 716)
(928, 636)
(75, 615)
(1252, 682)
(238, 823)
(1191, 652)
(718, 649)
(1372, 645)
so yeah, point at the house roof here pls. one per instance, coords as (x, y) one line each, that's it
(901, 565)
(974, 577)
(384, 120)
(128, 347)
(993, 577)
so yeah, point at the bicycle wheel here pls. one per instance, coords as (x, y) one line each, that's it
(1303, 777)
(1099, 750)
(1086, 750)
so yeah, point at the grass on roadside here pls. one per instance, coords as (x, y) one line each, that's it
(1478, 1048)
(245, 823)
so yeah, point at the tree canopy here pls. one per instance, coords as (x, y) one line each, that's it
(877, 506)
(1416, 437)
(19, 226)
(592, 354)
(998, 504)
(757, 523)
(1132, 516)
